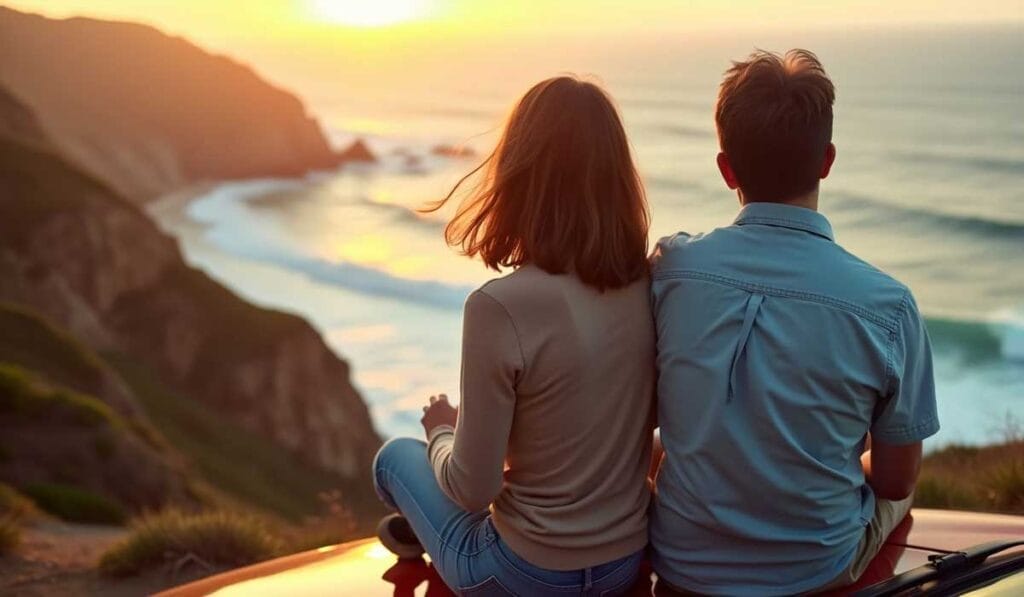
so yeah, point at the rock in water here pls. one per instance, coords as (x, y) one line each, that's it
(453, 151)
(357, 152)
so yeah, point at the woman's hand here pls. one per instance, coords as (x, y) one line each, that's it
(438, 412)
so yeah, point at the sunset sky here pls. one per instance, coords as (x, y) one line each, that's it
(219, 22)
(387, 49)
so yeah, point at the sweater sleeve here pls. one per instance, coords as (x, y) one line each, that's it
(469, 460)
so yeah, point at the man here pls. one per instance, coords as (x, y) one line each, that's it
(779, 353)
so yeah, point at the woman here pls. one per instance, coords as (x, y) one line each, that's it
(536, 485)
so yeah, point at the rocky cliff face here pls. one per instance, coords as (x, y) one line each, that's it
(271, 371)
(75, 250)
(145, 112)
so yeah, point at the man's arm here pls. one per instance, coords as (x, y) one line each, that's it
(909, 412)
(891, 470)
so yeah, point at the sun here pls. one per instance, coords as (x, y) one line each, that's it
(369, 13)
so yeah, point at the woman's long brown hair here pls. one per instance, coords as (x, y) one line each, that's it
(559, 191)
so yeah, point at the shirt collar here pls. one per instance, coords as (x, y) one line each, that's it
(786, 216)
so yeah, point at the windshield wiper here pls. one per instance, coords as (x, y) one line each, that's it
(939, 566)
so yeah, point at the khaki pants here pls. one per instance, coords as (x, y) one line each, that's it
(888, 516)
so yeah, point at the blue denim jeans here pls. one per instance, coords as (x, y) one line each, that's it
(464, 547)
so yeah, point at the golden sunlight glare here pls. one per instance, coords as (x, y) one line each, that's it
(368, 13)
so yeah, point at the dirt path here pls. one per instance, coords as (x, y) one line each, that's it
(59, 558)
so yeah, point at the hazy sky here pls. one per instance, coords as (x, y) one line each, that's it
(218, 21)
(320, 48)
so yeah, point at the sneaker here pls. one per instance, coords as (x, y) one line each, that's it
(398, 537)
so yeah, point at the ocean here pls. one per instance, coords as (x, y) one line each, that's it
(928, 186)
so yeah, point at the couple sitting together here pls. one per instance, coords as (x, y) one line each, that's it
(790, 382)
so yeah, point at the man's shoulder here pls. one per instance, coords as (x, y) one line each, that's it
(682, 249)
(823, 269)
(862, 283)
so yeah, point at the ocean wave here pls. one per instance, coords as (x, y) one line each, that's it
(373, 281)
(404, 214)
(209, 208)
(231, 228)
(885, 211)
(356, 277)
(985, 163)
(976, 342)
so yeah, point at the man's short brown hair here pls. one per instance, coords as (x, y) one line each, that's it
(774, 118)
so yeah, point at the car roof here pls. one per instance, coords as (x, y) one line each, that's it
(365, 567)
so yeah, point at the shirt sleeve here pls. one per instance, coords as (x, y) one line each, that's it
(469, 460)
(909, 412)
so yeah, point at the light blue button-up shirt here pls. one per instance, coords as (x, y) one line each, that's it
(778, 351)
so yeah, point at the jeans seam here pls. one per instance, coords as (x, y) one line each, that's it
(490, 579)
(378, 487)
(441, 538)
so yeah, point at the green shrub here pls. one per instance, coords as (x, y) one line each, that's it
(74, 504)
(10, 533)
(959, 453)
(945, 493)
(22, 394)
(14, 504)
(1005, 486)
(148, 433)
(15, 382)
(219, 539)
(31, 341)
(986, 478)
(215, 445)
(14, 508)
(336, 525)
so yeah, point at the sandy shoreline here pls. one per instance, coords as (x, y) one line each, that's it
(171, 207)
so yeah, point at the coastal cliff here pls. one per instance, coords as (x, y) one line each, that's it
(146, 113)
(76, 252)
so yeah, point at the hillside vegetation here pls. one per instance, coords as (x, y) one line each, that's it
(49, 409)
(134, 388)
(988, 478)
(213, 394)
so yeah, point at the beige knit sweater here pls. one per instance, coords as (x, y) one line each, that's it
(555, 420)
